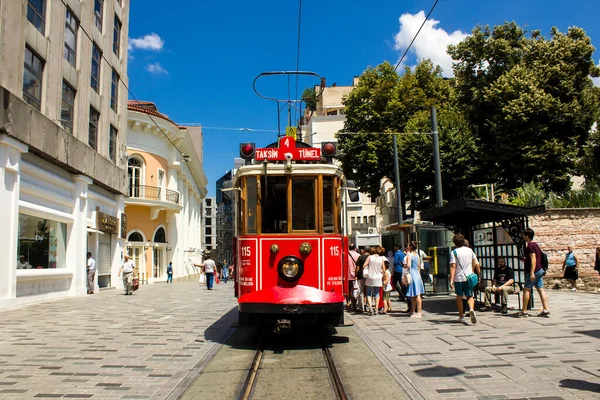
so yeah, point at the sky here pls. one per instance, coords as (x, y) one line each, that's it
(197, 59)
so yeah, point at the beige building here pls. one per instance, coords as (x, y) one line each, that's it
(167, 185)
(321, 126)
(63, 159)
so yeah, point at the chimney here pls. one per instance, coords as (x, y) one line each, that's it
(334, 84)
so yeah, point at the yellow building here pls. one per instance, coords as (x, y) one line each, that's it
(166, 187)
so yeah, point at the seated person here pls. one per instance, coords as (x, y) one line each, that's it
(502, 283)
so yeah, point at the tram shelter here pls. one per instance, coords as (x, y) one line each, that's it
(494, 231)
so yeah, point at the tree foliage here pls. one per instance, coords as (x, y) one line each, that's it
(530, 100)
(384, 102)
(310, 98)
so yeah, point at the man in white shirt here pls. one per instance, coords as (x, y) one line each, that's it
(127, 271)
(91, 273)
(462, 263)
(23, 263)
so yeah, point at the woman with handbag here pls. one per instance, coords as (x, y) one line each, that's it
(373, 270)
(415, 287)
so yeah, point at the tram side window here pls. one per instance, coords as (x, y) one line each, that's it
(274, 202)
(303, 204)
(251, 197)
(328, 204)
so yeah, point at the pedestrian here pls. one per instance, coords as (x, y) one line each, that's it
(503, 283)
(597, 263)
(352, 259)
(225, 272)
(209, 270)
(463, 262)
(398, 267)
(415, 289)
(91, 273)
(571, 268)
(375, 267)
(405, 271)
(364, 254)
(387, 289)
(127, 271)
(424, 264)
(170, 272)
(533, 275)
(23, 263)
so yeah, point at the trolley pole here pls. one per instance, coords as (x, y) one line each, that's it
(398, 190)
(436, 159)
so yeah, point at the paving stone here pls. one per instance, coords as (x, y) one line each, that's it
(68, 352)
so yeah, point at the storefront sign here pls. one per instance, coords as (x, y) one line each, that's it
(107, 223)
(123, 225)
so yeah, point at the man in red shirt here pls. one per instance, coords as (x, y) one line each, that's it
(533, 274)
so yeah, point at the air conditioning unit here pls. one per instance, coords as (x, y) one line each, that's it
(372, 231)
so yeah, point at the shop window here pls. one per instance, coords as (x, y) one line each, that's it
(41, 243)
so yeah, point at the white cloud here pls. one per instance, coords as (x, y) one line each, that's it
(596, 81)
(431, 42)
(151, 42)
(156, 68)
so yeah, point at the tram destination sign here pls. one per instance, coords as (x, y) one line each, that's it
(287, 145)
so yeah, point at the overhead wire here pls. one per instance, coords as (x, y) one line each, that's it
(298, 55)
(415, 37)
(184, 156)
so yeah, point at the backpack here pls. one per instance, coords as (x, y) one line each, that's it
(544, 261)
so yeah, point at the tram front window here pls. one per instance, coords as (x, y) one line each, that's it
(328, 204)
(303, 204)
(274, 202)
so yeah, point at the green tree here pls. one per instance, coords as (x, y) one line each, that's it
(310, 98)
(384, 102)
(530, 100)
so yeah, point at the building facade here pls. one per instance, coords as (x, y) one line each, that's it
(166, 187)
(321, 126)
(62, 144)
(209, 239)
(224, 221)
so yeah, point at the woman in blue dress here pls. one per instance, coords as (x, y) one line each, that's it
(416, 288)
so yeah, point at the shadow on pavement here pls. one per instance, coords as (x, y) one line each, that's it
(594, 333)
(580, 385)
(439, 372)
(217, 331)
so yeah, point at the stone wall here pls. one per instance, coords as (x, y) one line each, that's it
(556, 229)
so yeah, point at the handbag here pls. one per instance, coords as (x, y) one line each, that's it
(135, 283)
(202, 278)
(355, 289)
(407, 279)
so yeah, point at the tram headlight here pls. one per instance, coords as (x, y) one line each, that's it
(290, 269)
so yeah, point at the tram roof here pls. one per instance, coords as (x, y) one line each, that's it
(470, 212)
(281, 169)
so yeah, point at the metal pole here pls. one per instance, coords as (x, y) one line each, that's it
(398, 189)
(436, 159)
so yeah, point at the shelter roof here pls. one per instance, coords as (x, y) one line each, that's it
(470, 212)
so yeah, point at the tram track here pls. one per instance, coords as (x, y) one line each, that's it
(253, 376)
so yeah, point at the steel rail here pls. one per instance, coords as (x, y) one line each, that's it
(250, 381)
(338, 386)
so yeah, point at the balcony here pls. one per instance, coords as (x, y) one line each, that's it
(153, 193)
(156, 198)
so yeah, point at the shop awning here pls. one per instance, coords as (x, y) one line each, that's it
(469, 212)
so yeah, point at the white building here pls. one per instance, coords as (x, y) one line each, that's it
(321, 126)
(167, 185)
(62, 144)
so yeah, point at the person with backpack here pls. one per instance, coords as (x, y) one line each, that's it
(534, 272)
(571, 268)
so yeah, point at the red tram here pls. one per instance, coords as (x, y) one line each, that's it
(289, 246)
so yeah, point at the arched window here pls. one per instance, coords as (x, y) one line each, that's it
(134, 169)
(135, 237)
(160, 236)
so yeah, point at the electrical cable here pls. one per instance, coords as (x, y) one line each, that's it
(415, 37)
(298, 56)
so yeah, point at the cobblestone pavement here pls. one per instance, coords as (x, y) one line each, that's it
(111, 346)
(501, 357)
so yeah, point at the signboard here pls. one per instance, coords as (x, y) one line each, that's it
(287, 145)
(123, 226)
(290, 131)
(106, 223)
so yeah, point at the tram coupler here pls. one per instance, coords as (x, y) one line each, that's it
(283, 325)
